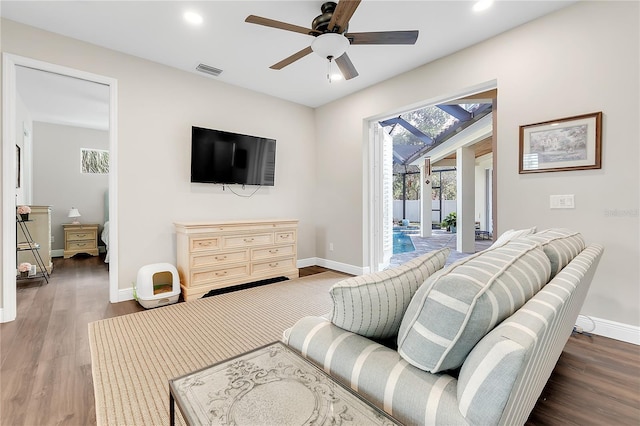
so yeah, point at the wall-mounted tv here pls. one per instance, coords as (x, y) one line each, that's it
(228, 158)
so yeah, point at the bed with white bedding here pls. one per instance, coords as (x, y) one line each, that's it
(105, 238)
(105, 230)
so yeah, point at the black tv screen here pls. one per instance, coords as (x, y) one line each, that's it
(228, 158)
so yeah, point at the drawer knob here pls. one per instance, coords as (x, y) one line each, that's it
(273, 265)
(80, 235)
(205, 243)
(220, 257)
(81, 244)
(273, 251)
(248, 240)
(284, 237)
(221, 274)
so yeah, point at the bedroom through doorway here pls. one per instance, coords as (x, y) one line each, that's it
(65, 121)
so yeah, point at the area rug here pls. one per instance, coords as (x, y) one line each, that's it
(133, 356)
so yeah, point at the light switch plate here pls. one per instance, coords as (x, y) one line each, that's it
(562, 201)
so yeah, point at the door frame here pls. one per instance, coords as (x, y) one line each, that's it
(371, 204)
(9, 97)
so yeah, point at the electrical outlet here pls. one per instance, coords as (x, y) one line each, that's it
(330, 246)
(53, 239)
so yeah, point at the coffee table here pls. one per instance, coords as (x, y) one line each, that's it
(271, 385)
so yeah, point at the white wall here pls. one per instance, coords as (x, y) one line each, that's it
(23, 121)
(157, 106)
(57, 181)
(578, 60)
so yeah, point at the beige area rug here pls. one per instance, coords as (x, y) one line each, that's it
(134, 356)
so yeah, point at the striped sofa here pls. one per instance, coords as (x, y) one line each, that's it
(478, 340)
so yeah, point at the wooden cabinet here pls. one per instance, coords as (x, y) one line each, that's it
(40, 229)
(80, 238)
(223, 254)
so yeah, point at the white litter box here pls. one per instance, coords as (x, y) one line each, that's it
(157, 285)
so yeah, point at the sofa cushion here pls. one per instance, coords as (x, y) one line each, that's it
(560, 245)
(372, 305)
(512, 234)
(377, 373)
(454, 309)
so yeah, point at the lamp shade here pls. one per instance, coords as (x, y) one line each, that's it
(74, 214)
(330, 45)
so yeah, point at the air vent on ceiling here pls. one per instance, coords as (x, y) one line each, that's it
(207, 69)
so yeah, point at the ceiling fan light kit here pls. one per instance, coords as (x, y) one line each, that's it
(330, 45)
(331, 36)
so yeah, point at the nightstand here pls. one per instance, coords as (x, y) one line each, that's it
(80, 238)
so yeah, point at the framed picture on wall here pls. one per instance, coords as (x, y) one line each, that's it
(18, 166)
(572, 143)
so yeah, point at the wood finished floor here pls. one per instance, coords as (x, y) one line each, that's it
(45, 364)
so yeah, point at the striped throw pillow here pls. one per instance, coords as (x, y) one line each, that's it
(373, 305)
(560, 245)
(512, 234)
(454, 309)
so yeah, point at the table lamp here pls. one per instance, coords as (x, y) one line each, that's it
(74, 214)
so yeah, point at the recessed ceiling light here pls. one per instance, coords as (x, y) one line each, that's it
(193, 18)
(482, 5)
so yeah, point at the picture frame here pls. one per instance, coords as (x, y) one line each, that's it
(572, 143)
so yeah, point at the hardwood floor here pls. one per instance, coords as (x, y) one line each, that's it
(45, 370)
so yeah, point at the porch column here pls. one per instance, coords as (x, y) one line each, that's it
(466, 205)
(425, 198)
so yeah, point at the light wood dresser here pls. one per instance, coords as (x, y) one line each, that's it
(214, 255)
(80, 238)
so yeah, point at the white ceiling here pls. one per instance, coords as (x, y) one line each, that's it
(58, 99)
(156, 30)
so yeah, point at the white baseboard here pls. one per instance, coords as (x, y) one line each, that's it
(336, 266)
(60, 252)
(304, 263)
(125, 294)
(611, 329)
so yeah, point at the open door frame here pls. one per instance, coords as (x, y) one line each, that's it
(9, 96)
(372, 237)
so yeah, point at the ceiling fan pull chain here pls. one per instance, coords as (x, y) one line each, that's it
(329, 69)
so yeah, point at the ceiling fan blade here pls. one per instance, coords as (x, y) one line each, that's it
(291, 59)
(343, 13)
(384, 37)
(252, 19)
(346, 67)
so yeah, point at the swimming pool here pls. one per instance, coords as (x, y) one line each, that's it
(402, 242)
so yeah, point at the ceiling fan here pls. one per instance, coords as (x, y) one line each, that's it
(331, 36)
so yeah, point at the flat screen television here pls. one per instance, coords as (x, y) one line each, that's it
(231, 158)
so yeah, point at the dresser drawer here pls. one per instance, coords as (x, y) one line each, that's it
(76, 235)
(213, 275)
(247, 240)
(272, 252)
(81, 245)
(271, 266)
(220, 258)
(285, 237)
(204, 243)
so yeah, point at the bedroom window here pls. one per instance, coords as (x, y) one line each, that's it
(94, 161)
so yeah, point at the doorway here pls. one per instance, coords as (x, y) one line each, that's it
(9, 163)
(474, 128)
